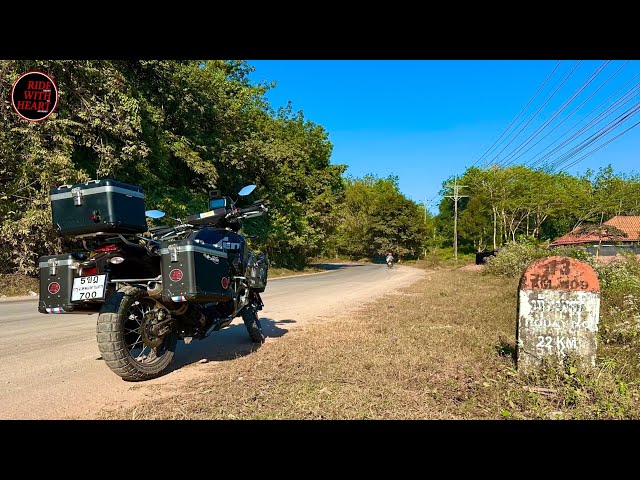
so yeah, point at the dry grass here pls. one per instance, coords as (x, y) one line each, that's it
(275, 272)
(440, 349)
(14, 284)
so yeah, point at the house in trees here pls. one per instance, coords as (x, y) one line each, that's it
(618, 234)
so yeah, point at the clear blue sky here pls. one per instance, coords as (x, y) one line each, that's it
(427, 120)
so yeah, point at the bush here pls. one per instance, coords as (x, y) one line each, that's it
(620, 276)
(16, 284)
(619, 329)
(512, 259)
(579, 253)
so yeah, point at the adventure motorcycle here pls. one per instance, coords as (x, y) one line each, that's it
(179, 282)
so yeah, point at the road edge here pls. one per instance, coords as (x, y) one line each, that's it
(23, 298)
(26, 298)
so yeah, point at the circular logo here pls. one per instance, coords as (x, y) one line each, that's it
(54, 287)
(175, 275)
(34, 96)
(224, 282)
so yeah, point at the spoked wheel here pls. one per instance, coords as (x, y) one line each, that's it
(133, 339)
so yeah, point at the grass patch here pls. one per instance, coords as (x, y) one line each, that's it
(15, 284)
(442, 349)
(441, 259)
(275, 272)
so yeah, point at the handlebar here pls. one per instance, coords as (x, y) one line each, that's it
(164, 233)
(250, 209)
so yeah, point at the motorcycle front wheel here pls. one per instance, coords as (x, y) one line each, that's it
(251, 321)
(120, 339)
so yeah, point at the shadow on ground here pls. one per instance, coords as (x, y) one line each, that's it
(226, 344)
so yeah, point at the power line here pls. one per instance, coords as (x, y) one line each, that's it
(518, 116)
(557, 162)
(538, 111)
(578, 107)
(488, 161)
(551, 166)
(509, 159)
(601, 146)
(619, 103)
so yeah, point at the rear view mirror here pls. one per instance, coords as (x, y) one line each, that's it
(154, 213)
(246, 190)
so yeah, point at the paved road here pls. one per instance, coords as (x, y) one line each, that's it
(50, 365)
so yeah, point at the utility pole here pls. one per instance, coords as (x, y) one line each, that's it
(425, 222)
(425, 209)
(456, 196)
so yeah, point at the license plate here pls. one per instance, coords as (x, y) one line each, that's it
(90, 287)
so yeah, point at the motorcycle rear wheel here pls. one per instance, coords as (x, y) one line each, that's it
(251, 321)
(120, 339)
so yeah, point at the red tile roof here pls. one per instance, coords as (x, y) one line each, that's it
(628, 224)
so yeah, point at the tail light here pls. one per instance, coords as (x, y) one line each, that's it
(108, 248)
(89, 271)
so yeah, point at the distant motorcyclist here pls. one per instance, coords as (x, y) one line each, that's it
(389, 259)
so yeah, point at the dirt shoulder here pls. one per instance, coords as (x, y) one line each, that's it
(438, 348)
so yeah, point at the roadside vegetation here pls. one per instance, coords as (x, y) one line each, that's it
(442, 348)
(275, 272)
(443, 257)
(182, 128)
(15, 285)
(438, 349)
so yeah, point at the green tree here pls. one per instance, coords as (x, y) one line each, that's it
(177, 128)
(376, 217)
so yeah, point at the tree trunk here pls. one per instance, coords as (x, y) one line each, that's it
(495, 228)
(600, 235)
(505, 229)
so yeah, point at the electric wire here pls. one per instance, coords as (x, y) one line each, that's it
(538, 111)
(580, 90)
(623, 100)
(585, 143)
(596, 149)
(521, 111)
(608, 112)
